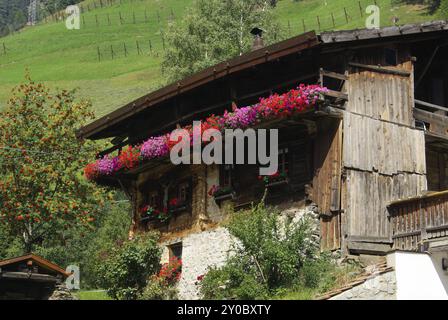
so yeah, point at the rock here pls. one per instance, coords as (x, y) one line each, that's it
(62, 293)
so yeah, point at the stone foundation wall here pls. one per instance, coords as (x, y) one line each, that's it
(380, 287)
(199, 252)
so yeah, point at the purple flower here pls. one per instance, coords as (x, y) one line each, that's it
(155, 147)
(107, 166)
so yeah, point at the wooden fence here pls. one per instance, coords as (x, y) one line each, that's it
(419, 219)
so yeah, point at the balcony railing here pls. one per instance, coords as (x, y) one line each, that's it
(418, 220)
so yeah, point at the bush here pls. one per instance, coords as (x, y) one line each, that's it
(158, 289)
(125, 272)
(278, 247)
(272, 253)
(238, 279)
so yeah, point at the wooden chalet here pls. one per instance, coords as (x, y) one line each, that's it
(368, 156)
(29, 277)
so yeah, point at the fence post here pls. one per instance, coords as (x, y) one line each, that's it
(108, 19)
(112, 51)
(138, 47)
(360, 8)
(83, 21)
(121, 18)
(96, 20)
(318, 22)
(304, 26)
(99, 53)
(289, 27)
(150, 46)
(125, 49)
(332, 18)
(346, 15)
(4, 48)
(133, 17)
(163, 39)
(146, 16)
(158, 17)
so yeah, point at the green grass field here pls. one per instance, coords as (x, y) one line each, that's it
(92, 295)
(69, 58)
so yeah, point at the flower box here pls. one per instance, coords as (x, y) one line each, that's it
(277, 183)
(277, 179)
(222, 193)
(149, 214)
(180, 208)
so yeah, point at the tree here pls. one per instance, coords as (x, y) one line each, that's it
(213, 31)
(42, 190)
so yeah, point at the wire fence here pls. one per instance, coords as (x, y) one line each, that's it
(331, 20)
(127, 49)
(155, 46)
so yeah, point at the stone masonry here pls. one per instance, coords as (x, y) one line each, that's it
(379, 287)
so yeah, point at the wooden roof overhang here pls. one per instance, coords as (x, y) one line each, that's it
(244, 79)
(8, 270)
(213, 80)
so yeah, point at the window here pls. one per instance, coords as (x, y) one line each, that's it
(175, 250)
(184, 190)
(153, 199)
(390, 57)
(226, 175)
(283, 160)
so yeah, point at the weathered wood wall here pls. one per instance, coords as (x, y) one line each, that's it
(384, 155)
(415, 221)
(327, 181)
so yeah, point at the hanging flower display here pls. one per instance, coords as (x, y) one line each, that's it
(276, 106)
(149, 212)
(276, 177)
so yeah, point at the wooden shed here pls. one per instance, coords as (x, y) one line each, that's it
(29, 277)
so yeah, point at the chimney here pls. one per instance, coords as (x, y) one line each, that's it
(258, 38)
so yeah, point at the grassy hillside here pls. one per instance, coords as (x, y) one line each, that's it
(102, 60)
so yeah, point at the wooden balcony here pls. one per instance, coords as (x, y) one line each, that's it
(418, 221)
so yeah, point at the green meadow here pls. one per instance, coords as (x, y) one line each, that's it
(113, 61)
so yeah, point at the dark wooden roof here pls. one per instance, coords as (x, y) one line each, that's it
(248, 60)
(112, 124)
(37, 260)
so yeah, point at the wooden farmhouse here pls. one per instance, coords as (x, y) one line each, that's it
(370, 159)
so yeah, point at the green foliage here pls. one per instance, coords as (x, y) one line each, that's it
(279, 247)
(157, 289)
(84, 248)
(42, 190)
(125, 271)
(49, 47)
(214, 31)
(272, 254)
(92, 295)
(237, 279)
(443, 9)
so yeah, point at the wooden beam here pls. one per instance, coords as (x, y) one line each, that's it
(29, 276)
(333, 75)
(368, 247)
(397, 72)
(430, 105)
(336, 94)
(437, 124)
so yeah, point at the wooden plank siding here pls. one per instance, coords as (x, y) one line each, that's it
(367, 198)
(417, 220)
(327, 183)
(384, 155)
